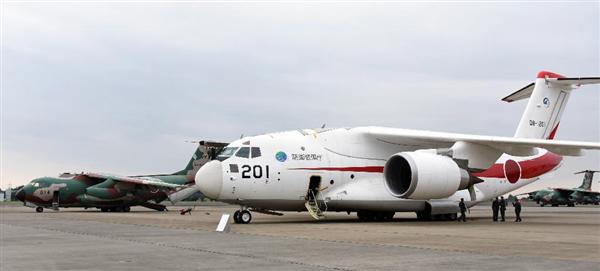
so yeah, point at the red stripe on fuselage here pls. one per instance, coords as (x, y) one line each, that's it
(529, 168)
(376, 169)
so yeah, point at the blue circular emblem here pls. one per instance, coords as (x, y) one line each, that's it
(546, 101)
(281, 156)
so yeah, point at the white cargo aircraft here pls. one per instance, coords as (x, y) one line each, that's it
(378, 171)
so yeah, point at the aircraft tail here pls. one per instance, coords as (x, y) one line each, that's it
(587, 179)
(205, 152)
(548, 97)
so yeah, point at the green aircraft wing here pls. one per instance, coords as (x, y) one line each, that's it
(146, 180)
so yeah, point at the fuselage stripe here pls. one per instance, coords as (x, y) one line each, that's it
(372, 169)
(529, 168)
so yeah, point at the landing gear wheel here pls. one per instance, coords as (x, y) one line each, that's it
(104, 210)
(126, 209)
(245, 217)
(360, 215)
(236, 217)
(388, 216)
(424, 216)
(39, 209)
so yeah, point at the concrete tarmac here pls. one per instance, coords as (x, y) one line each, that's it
(549, 238)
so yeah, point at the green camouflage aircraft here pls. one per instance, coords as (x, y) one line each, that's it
(569, 197)
(114, 193)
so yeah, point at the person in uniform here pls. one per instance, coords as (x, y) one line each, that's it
(502, 208)
(495, 207)
(463, 210)
(517, 205)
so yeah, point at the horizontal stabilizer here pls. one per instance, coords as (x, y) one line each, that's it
(520, 94)
(570, 82)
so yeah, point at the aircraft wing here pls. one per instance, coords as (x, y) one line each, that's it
(471, 147)
(509, 145)
(528, 194)
(566, 191)
(146, 180)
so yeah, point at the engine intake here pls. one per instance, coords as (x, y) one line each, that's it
(420, 175)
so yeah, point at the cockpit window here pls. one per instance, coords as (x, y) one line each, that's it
(244, 152)
(36, 184)
(226, 153)
(255, 152)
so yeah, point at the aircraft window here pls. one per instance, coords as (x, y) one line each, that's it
(226, 153)
(255, 152)
(36, 184)
(244, 152)
(233, 168)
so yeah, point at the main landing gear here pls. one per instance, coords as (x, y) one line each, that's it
(375, 216)
(242, 217)
(39, 209)
(427, 216)
(116, 209)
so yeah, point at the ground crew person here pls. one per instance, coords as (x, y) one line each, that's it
(495, 206)
(517, 205)
(502, 208)
(463, 210)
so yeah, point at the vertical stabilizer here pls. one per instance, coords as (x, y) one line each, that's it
(199, 158)
(587, 179)
(205, 152)
(548, 97)
(544, 108)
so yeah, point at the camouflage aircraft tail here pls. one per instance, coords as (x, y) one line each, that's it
(205, 152)
(587, 179)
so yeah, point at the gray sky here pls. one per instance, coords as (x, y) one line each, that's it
(119, 87)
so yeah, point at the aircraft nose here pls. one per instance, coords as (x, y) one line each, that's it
(209, 179)
(20, 195)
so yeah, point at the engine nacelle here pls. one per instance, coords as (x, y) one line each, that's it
(424, 176)
(105, 190)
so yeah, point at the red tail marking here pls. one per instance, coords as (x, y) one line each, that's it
(544, 74)
(553, 133)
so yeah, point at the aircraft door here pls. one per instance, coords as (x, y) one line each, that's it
(314, 208)
(314, 185)
(55, 199)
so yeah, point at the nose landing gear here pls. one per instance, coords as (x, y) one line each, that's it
(242, 217)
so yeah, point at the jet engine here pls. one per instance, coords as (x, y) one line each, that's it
(105, 190)
(424, 176)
